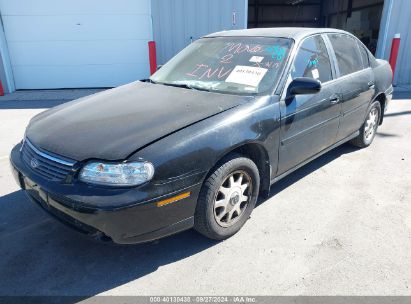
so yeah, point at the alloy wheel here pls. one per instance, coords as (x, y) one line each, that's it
(371, 124)
(232, 198)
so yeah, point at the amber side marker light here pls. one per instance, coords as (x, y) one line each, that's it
(173, 199)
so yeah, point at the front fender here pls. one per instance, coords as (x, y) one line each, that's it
(191, 152)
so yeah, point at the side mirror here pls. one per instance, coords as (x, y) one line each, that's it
(303, 85)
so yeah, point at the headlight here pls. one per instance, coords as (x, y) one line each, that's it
(121, 174)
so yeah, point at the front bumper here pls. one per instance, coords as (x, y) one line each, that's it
(121, 215)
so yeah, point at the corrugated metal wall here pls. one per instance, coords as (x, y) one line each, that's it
(396, 19)
(176, 22)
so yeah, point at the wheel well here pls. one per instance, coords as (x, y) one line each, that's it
(381, 99)
(259, 156)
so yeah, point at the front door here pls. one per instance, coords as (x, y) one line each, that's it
(309, 123)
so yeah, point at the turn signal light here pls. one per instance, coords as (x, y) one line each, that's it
(173, 199)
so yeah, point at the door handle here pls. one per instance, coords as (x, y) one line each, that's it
(371, 85)
(334, 98)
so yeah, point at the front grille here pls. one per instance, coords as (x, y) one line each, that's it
(48, 165)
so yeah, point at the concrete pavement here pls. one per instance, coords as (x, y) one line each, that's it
(340, 225)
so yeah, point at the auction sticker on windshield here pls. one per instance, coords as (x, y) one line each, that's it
(256, 59)
(246, 75)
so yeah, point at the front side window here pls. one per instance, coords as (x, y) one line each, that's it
(234, 65)
(347, 53)
(312, 60)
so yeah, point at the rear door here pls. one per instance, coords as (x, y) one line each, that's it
(309, 123)
(356, 81)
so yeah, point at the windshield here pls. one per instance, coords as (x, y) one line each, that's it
(234, 65)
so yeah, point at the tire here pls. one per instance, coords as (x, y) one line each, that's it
(223, 219)
(365, 138)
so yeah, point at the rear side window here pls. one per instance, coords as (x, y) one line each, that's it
(312, 60)
(364, 56)
(347, 53)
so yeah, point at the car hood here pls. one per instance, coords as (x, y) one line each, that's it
(113, 124)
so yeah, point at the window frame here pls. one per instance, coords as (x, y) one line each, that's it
(326, 49)
(337, 68)
(365, 49)
(285, 78)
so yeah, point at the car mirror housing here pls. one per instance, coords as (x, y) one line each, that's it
(303, 85)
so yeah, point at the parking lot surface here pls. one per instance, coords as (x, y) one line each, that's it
(340, 225)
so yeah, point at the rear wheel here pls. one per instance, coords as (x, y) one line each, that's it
(369, 128)
(227, 198)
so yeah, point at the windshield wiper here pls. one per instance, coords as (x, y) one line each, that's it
(187, 86)
(184, 85)
(148, 80)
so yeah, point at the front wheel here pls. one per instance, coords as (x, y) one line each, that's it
(369, 128)
(227, 198)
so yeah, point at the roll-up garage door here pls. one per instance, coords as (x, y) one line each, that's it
(76, 43)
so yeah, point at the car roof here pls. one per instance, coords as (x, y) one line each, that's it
(295, 33)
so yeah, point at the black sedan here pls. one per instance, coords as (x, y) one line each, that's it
(198, 142)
